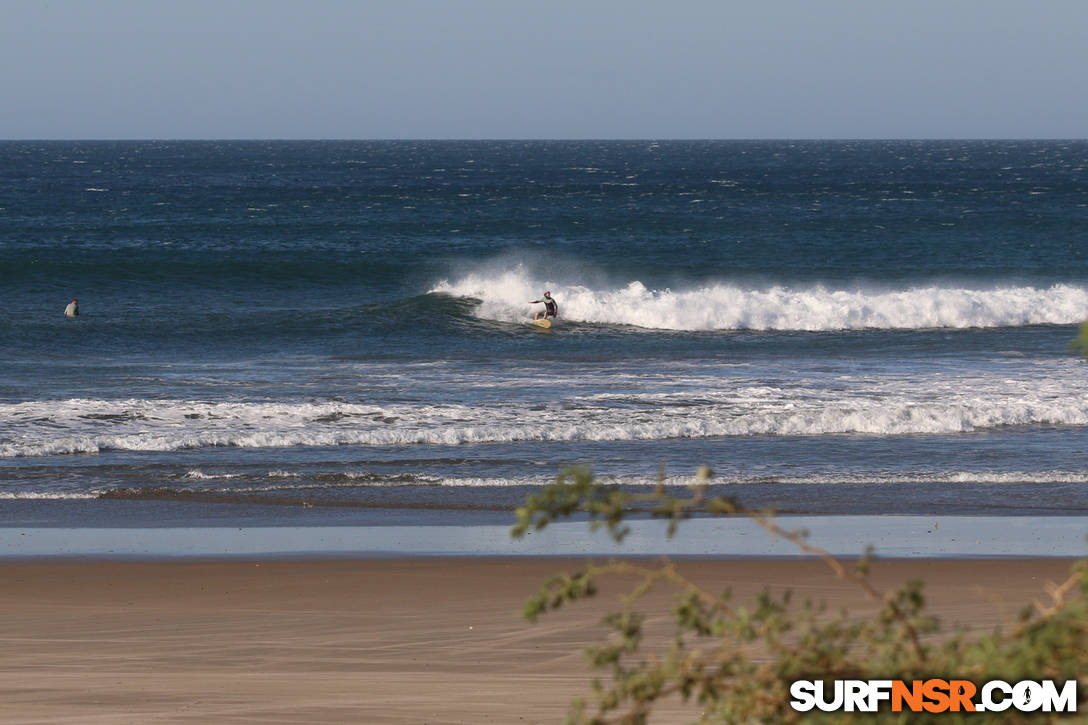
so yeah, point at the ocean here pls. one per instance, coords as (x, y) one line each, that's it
(336, 333)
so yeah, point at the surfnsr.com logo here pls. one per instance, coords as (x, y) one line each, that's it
(933, 695)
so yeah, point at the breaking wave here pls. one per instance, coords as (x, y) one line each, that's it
(876, 408)
(505, 296)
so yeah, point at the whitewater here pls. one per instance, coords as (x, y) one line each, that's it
(812, 308)
(695, 404)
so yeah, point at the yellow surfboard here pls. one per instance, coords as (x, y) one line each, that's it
(545, 323)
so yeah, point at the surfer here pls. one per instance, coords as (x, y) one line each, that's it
(72, 310)
(551, 309)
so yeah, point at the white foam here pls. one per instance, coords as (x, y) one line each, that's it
(691, 406)
(724, 306)
(944, 478)
(818, 478)
(44, 496)
(201, 476)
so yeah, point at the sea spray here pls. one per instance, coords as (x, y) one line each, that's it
(811, 308)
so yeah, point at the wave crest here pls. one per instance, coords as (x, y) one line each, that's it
(934, 405)
(724, 306)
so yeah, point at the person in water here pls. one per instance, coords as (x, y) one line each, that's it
(551, 309)
(72, 310)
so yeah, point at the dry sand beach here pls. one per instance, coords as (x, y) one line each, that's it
(421, 640)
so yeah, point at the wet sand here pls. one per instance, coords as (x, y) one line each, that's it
(423, 640)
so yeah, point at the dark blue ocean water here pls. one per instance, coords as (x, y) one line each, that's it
(309, 332)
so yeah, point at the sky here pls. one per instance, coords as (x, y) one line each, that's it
(552, 69)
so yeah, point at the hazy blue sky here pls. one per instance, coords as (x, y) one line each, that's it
(543, 69)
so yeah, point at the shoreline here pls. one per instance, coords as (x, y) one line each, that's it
(397, 640)
(890, 536)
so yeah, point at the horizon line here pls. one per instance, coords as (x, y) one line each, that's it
(529, 139)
